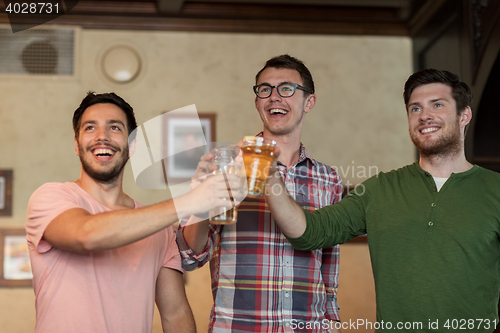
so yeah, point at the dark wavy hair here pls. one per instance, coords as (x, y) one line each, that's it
(460, 91)
(108, 98)
(289, 62)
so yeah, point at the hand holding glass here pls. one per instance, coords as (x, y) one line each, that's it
(258, 155)
(224, 162)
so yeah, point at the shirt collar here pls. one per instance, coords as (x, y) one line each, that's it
(453, 175)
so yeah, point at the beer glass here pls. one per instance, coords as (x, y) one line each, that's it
(223, 161)
(258, 154)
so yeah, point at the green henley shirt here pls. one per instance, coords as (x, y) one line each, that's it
(435, 254)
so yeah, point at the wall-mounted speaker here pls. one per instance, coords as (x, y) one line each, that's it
(48, 51)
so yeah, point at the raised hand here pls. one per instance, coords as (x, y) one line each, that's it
(203, 169)
(222, 190)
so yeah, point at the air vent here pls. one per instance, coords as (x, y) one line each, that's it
(38, 52)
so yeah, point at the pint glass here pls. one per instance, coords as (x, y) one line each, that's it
(258, 154)
(223, 161)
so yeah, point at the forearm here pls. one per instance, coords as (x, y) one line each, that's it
(332, 225)
(77, 230)
(140, 223)
(182, 322)
(175, 312)
(88, 232)
(125, 227)
(286, 212)
(196, 234)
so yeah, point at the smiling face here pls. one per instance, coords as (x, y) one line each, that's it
(102, 143)
(434, 125)
(283, 116)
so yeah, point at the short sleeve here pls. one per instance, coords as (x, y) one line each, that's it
(45, 204)
(172, 257)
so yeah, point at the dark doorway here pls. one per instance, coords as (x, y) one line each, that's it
(486, 130)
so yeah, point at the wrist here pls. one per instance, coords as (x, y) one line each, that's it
(181, 206)
(273, 180)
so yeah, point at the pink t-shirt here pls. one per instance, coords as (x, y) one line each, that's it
(106, 291)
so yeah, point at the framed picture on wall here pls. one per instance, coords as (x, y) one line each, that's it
(5, 192)
(185, 143)
(15, 268)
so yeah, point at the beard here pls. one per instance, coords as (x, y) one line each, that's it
(448, 143)
(104, 176)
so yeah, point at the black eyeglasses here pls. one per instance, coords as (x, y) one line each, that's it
(286, 89)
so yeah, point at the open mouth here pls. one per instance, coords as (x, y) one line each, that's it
(273, 112)
(429, 130)
(103, 152)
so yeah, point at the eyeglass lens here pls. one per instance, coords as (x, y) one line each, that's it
(284, 90)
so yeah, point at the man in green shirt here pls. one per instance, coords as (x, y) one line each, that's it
(433, 227)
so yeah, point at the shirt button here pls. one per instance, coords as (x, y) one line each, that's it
(433, 204)
(286, 295)
(431, 224)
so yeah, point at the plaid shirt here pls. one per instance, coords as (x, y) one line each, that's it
(259, 282)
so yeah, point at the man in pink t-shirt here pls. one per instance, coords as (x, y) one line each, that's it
(100, 259)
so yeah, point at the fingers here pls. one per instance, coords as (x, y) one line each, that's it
(274, 163)
(225, 182)
(239, 157)
(204, 166)
(206, 157)
(237, 186)
(209, 190)
(195, 182)
(277, 151)
(227, 188)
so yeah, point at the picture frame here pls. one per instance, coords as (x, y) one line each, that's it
(6, 192)
(185, 144)
(15, 268)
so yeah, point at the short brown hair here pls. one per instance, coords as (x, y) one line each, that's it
(289, 62)
(108, 98)
(460, 91)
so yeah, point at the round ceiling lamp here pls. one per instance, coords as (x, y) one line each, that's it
(121, 64)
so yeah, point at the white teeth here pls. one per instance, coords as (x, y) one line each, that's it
(103, 151)
(430, 129)
(276, 111)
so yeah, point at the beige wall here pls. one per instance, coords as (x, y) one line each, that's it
(358, 124)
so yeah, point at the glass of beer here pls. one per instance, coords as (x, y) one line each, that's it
(258, 154)
(224, 162)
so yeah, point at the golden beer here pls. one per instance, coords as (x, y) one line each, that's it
(258, 154)
(221, 215)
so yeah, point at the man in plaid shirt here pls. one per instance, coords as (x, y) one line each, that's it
(259, 282)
